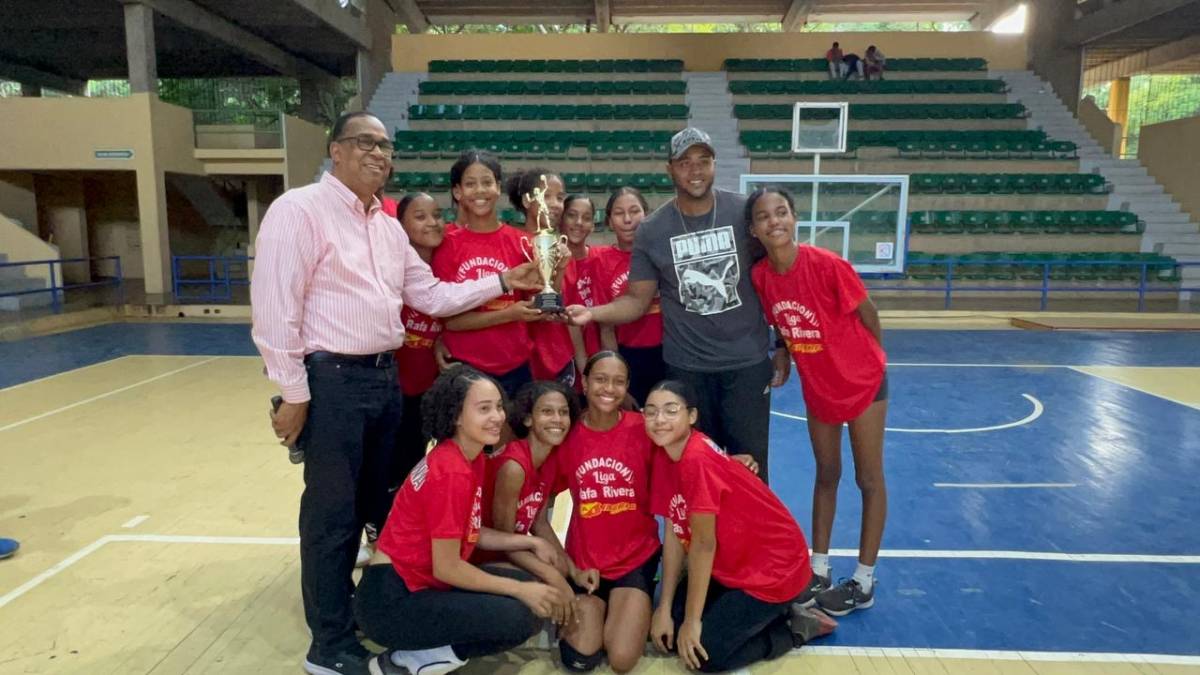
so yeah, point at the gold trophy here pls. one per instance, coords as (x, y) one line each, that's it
(547, 249)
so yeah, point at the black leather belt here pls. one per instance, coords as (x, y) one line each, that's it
(380, 360)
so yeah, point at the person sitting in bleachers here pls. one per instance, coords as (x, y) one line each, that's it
(836, 67)
(852, 64)
(875, 63)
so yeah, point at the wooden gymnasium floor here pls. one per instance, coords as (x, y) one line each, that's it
(158, 515)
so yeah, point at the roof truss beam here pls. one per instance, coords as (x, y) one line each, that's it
(797, 15)
(197, 18)
(1117, 17)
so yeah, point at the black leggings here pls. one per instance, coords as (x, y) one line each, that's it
(734, 407)
(736, 628)
(646, 369)
(474, 624)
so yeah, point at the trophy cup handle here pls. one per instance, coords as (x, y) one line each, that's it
(528, 253)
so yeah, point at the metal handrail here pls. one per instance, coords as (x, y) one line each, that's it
(57, 292)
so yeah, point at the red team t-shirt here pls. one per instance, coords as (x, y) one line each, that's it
(610, 270)
(812, 305)
(579, 289)
(608, 474)
(416, 366)
(760, 548)
(442, 498)
(535, 491)
(466, 255)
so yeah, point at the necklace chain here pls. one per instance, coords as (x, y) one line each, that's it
(712, 221)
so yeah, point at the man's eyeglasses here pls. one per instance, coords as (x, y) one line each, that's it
(367, 143)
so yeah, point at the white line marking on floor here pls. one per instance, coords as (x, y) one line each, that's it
(1006, 655)
(154, 538)
(1080, 369)
(1004, 486)
(135, 521)
(65, 372)
(1038, 409)
(1052, 556)
(64, 564)
(97, 397)
(976, 365)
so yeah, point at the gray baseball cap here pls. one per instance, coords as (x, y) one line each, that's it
(685, 139)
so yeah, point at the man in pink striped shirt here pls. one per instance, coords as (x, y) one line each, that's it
(331, 274)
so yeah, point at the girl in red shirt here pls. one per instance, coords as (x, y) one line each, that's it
(578, 223)
(640, 342)
(517, 488)
(417, 368)
(605, 463)
(820, 309)
(553, 351)
(493, 338)
(747, 559)
(419, 597)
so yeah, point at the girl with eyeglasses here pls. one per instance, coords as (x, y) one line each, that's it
(746, 558)
(823, 315)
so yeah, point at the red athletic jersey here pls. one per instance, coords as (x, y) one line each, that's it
(760, 548)
(442, 498)
(611, 272)
(389, 206)
(552, 349)
(608, 474)
(813, 306)
(415, 364)
(535, 491)
(579, 289)
(467, 255)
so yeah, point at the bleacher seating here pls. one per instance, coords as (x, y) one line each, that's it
(548, 112)
(868, 111)
(1034, 199)
(861, 87)
(558, 66)
(821, 65)
(553, 88)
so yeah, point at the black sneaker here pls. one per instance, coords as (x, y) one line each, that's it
(845, 598)
(818, 585)
(808, 624)
(349, 661)
(382, 665)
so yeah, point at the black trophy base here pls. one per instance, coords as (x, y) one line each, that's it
(549, 302)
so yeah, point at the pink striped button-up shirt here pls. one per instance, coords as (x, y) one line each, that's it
(330, 277)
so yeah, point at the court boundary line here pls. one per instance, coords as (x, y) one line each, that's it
(69, 371)
(1003, 486)
(82, 553)
(999, 655)
(1079, 369)
(1038, 410)
(97, 397)
(894, 652)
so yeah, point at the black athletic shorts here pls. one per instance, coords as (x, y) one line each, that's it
(641, 577)
(882, 394)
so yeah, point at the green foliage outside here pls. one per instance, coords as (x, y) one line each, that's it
(1153, 99)
(771, 27)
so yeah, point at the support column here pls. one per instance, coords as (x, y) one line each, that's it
(1118, 108)
(154, 235)
(310, 99)
(139, 48)
(1059, 64)
(254, 214)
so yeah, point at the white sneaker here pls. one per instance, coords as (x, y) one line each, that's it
(436, 661)
(365, 551)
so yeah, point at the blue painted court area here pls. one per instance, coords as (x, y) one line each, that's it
(963, 567)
